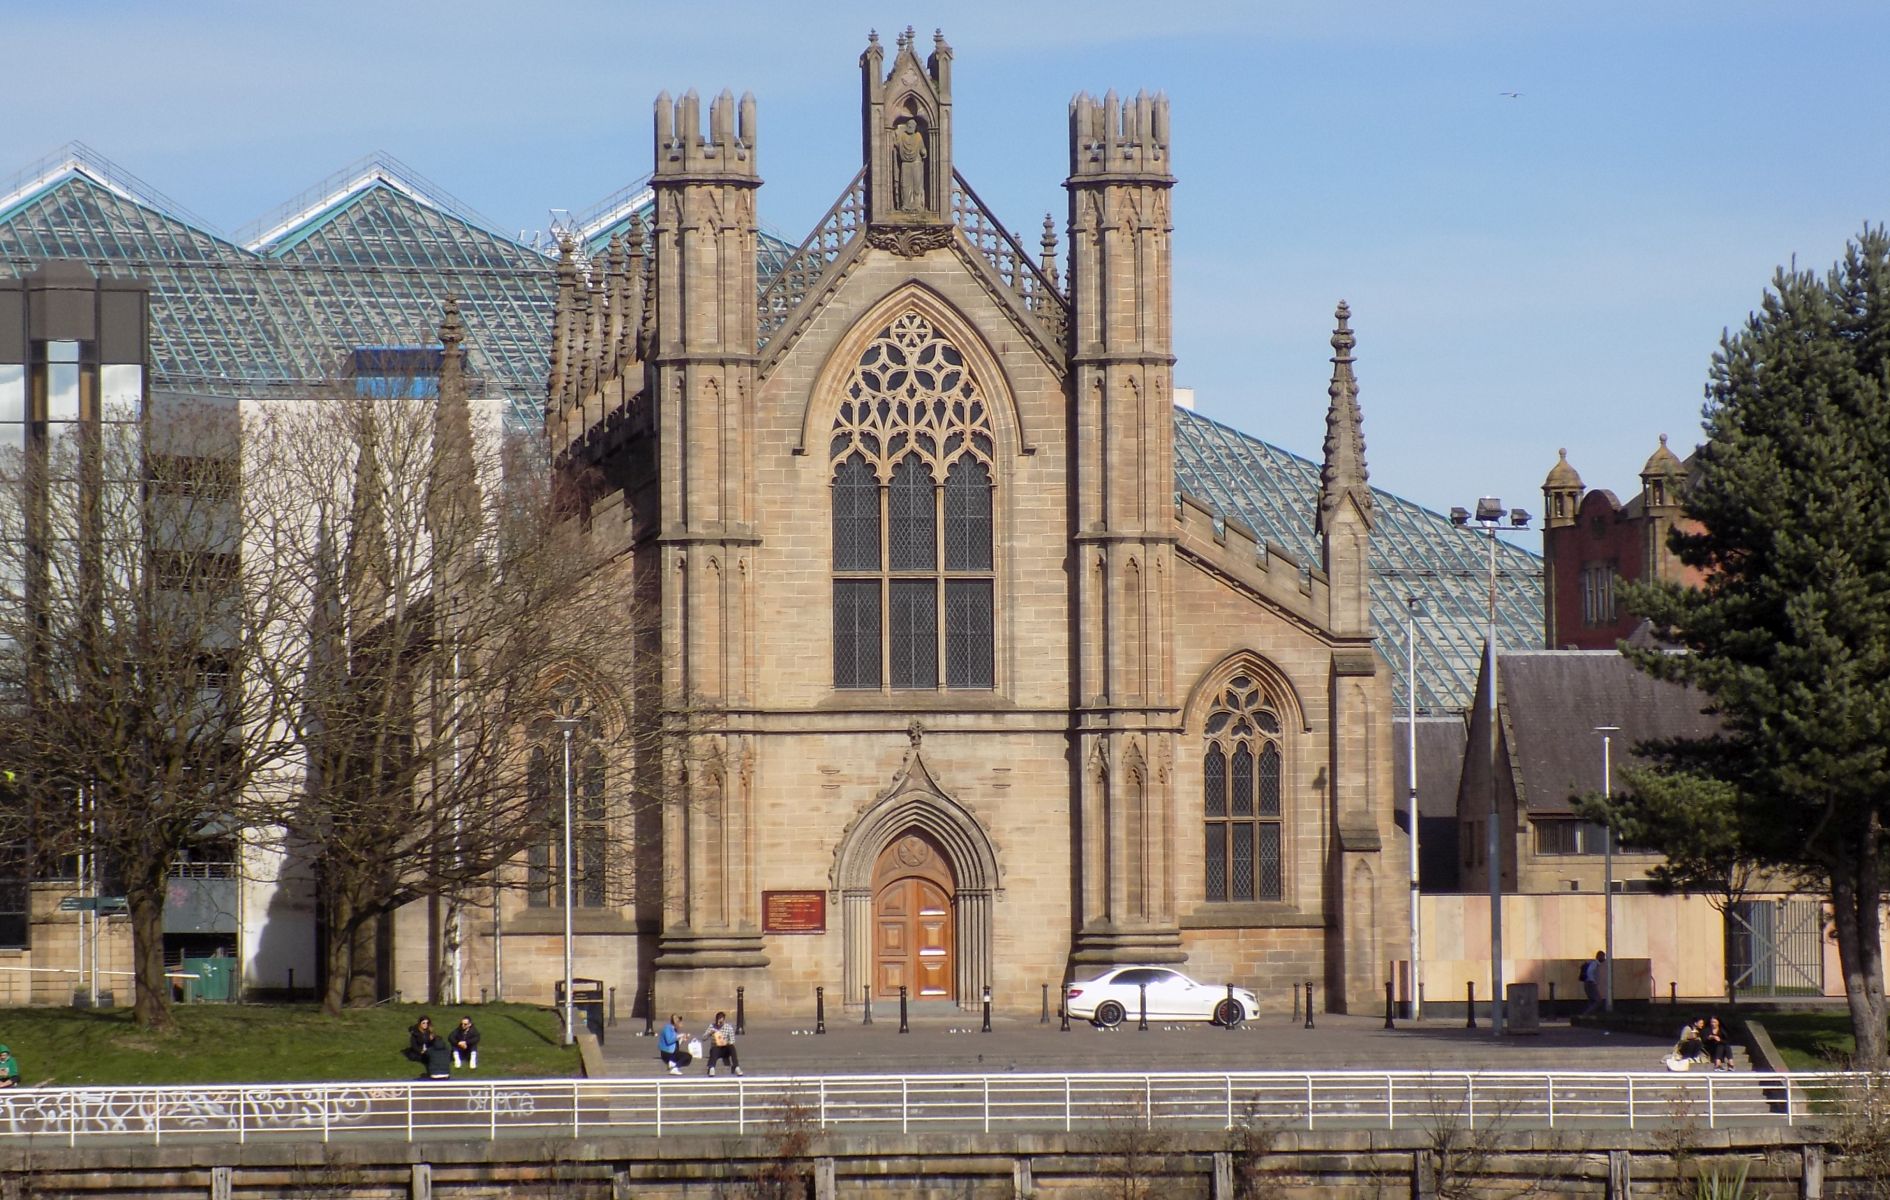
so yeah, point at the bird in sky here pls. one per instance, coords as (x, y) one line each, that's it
(1511, 95)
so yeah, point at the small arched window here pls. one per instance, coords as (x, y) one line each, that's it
(1242, 806)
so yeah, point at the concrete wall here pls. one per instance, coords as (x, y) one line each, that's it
(1127, 1161)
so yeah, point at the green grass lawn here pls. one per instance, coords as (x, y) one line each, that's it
(1812, 1041)
(269, 1043)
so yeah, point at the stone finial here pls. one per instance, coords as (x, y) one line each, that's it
(557, 389)
(452, 329)
(1343, 473)
(1049, 259)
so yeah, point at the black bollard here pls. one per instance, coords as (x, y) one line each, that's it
(613, 1007)
(1294, 988)
(1673, 993)
(649, 1011)
(1063, 1015)
(1420, 1000)
(820, 1010)
(482, 995)
(1470, 1007)
(741, 1011)
(1551, 995)
(1388, 1024)
(987, 1010)
(1046, 1005)
(867, 989)
(903, 1027)
(1141, 1022)
(1235, 1023)
(1309, 1023)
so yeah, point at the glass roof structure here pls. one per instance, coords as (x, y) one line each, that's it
(1415, 552)
(367, 258)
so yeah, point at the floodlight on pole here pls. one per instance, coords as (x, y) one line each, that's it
(1489, 514)
(1607, 733)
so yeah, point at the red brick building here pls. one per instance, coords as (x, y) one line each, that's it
(1591, 542)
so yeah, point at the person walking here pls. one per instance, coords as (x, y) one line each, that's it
(669, 1045)
(1591, 982)
(465, 1043)
(719, 1037)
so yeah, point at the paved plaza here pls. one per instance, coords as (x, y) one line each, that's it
(953, 1043)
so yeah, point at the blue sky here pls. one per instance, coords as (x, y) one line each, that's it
(1549, 270)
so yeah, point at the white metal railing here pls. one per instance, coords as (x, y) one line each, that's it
(1330, 1100)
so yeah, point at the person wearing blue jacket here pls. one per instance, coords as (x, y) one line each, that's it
(669, 1045)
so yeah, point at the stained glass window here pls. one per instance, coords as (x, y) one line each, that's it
(913, 487)
(1241, 796)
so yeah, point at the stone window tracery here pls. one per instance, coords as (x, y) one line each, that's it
(1242, 800)
(590, 847)
(913, 485)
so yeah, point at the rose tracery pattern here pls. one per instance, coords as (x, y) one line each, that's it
(912, 390)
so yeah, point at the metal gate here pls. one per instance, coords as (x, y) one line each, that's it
(1775, 947)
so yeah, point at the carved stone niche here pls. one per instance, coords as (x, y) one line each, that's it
(906, 118)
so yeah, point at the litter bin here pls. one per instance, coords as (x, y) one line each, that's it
(587, 999)
(1524, 1008)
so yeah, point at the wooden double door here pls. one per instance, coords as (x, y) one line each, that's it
(912, 922)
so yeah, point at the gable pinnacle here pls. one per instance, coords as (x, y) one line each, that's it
(1343, 473)
(452, 329)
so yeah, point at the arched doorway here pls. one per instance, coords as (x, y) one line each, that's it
(913, 942)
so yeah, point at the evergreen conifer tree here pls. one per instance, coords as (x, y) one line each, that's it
(1790, 635)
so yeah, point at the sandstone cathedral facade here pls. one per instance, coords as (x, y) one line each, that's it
(952, 687)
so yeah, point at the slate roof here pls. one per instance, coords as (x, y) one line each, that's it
(1415, 552)
(1441, 741)
(1552, 701)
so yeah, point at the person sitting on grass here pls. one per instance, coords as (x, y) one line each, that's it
(465, 1042)
(9, 1069)
(428, 1049)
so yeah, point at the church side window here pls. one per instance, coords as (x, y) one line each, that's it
(1241, 773)
(590, 846)
(913, 500)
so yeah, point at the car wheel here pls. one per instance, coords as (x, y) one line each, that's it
(1229, 1013)
(1109, 1014)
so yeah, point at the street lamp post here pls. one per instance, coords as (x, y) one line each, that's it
(1607, 733)
(570, 1030)
(1417, 933)
(1489, 514)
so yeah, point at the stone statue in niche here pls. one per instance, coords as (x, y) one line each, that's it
(908, 142)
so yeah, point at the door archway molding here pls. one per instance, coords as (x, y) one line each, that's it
(915, 801)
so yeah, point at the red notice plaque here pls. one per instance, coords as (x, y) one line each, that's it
(794, 912)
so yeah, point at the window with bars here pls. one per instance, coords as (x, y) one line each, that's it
(1598, 593)
(1242, 805)
(914, 582)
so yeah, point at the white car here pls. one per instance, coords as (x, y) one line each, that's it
(1116, 995)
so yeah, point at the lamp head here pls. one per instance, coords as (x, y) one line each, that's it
(1518, 519)
(1489, 508)
(1459, 516)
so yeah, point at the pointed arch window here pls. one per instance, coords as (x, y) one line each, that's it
(1242, 803)
(913, 498)
(590, 844)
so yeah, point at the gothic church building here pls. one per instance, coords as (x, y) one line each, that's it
(959, 691)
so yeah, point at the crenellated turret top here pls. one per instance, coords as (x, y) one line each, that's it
(1343, 473)
(1108, 137)
(727, 149)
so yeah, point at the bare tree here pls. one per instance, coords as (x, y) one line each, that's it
(446, 587)
(132, 644)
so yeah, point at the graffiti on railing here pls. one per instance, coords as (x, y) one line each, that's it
(510, 1104)
(144, 1113)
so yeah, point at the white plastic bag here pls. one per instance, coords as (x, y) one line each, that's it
(694, 1047)
(1677, 1063)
